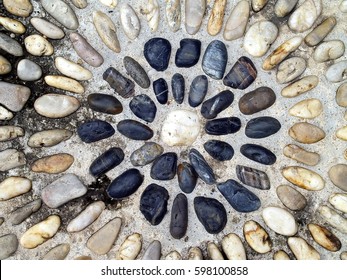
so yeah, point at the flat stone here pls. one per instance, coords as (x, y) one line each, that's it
(20, 8)
(201, 167)
(95, 130)
(257, 100)
(53, 164)
(146, 154)
(173, 256)
(28, 70)
(324, 237)
(179, 217)
(13, 96)
(215, 105)
(178, 87)
(291, 198)
(56, 105)
(143, 107)
(153, 251)
(258, 154)
(5, 66)
(195, 253)
(122, 85)
(333, 218)
(5, 115)
(329, 50)
(223, 126)
(281, 256)
(136, 71)
(187, 177)
(129, 21)
(237, 22)
(306, 133)
(305, 15)
(10, 132)
(11, 158)
(213, 252)
(106, 161)
(262, 127)
(284, 7)
(49, 138)
(14, 186)
(64, 83)
(173, 14)
(338, 175)
(59, 252)
(157, 52)
(256, 237)
(339, 201)
(62, 190)
(307, 109)
(253, 177)
(341, 95)
(103, 239)
(337, 72)
(105, 103)
(188, 54)
(198, 90)
(290, 69)
(303, 178)
(300, 86)
(219, 150)
(164, 167)
(38, 45)
(72, 69)
(233, 247)
(320, 32)
(130, 248)
(215, 21)
(135, 130)
(280, 221)
(41, 232)
(302, 250)
(8, 245)
(161, 90)
(10, 45)
(20, 214)
(341, 133)
(194, 13)
(47, 28)
(215, 60)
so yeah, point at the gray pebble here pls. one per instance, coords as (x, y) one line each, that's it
(10, 132)
(291, 198)
(10, 45)
(58, 252)
(47, 28)
(146, 154)
(11, 158)
(337, 72)
(8, 245)
(290, 69)
(28, 70)
(341, 95)
(153, 251)
(20, 214)
(13, 96)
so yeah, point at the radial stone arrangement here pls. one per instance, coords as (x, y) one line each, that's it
(173, 129)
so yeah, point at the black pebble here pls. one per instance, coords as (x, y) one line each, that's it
(219, 150)
(157, 52)
(136, 71)
(134, 130)
(106, 161)
(201, 167)
(223, 126)
(187, 177)
(188, 54)
(104, 103)
(95, 130)
(122, 85)
(178, 87)
(179, 216)
(215, 60)
(262, 127)
(258, 153)
(143, 107)
(218, 103)
(161, 90)
(164, 167)
(198, 90)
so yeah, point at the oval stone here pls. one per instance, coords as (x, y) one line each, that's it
(21, 8)
(125, 184)
(339, 201)
(257, 100)
(219, 150)
(324, 237)
(233, 247)
(8, 245)
(307, 109)
(49, 138)
(105, 103)
(237, 22)
(215, 60)
(153, 203)
(218, 103)
(303, 178)
(291, 198)
(11, 158)
(136, 71)
(338, 175)
(258, 153)
(337, 72)
(157, 52)
(187, 177)
(341, 133)
(20, 214)
(13, 96)
(302, 250)
(153, 251)
(95, 130)
(223, 126)
(213, 251)
(146, 154)
(300, 86)
(5, 115)
(211, 214)
(161, 90)
(173, 14)
(59, 252)
(64, 83)
(341, 95)
(320, 32)
(201, 167)
(178, 87)
(256, 237)
(53, 164)
(47, 28)
(14, 186)
(194, 13)
(106, 161)
(56, 105)
(333, 218)
(179, 216)
(134, 130)
(284, 7)
(122, 85)
(280, 221)
(262, 127)
(9, 132)
(329, 50)
(215, 21)
(130, 248)
(72, 69)
(10, 45)
(188, 54)
(130, 21)
(28, 70)
(306, 133)
(304, 17)
(198, 90)
(290, 69)
(253, 177)
(281, 256)
(164, 167)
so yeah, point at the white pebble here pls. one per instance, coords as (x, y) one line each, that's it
(72, 70)
(14, 186)
(233, 247)
(280, 220)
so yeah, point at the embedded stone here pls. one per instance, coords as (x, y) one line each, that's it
(161, 90)
(307, 109)
(187, 177)
(173, 14)
(188, 54)
(20, 8)
(47, 28)
(341, 95)
(305, 15)
(20, 214)
(218, 103)
(343, 255)
(213, 251)
(284, 7)
(136, 71)
(195, 253)
(291, 198)
(134, 130)
(38, 45)
(201, 167)
(8, 245)
(10, 45)
(324, 237)
(215, 60)
(11, 158)
(157, 52)
(302, 250)
(106, 161)
(53, 164)
(72, 69)
(223, 126)
(178, 87)
(306, 133)
(281, 256)
(198, 90)
(130, 248)
(257, 100)
(12, 25)
(28, 70)
(109, 3)
(152, 12)
(56, 105)
(173, 256)
(290, 69)
(233, 248)
(215, 21)
(5, 115)
(320, 32)
(95, 130)
(256, 237)
(122, 85)
(303, 178)
(333, 218)
(80, 4)
(13, 96)
(253, 177)
(329, 50)
(339, 201)
(14, 186)
(258, 5)
(280, 221)
(219, 150)
(237, 22)
(164, 167)
(179, 216)
(5, 66)
(59, 252)
(10, 132)
(258, 153)
(300, 86)
(146, 154)
(49, 138)
(337, 72)
(343, 8)
(64, 83)
(153, 251)
(130, 21)
(338, 175)
(262, 127)
(105, 103)
(194, 13)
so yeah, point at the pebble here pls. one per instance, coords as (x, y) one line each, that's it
(194, 13)
(143, 107)
(258, 154)
(233, 248)
(38, 45)
(343, 255)
(41, 232)
(253, 177)
(11, 158)
(146, 154)
(338, 175)
(157, 52)
(305, 15)
(173, 14)
(215, 60)
(10, 132)
(62, 190)
(153, 251)
(64, 83)
(219, 150)
(12, 25)
(85, 50)
(134, 130)
(201, 167)
(343, 6)
(281, 52)
(213, 251)
(341, 95)
(47, 28)
(136, 71)
(259, 38)
(106, 161)
(329, 50)
(302, 250)
(109, 3)
(72, 69)
(49, 138)
(198, 90)
(284, 7)
(8, 245)
(262, 127)
(153, 203)
(333, 218)
(223, 126)
(239, 197)
(241, 75)
(161, 90)
(211, 214)
(95, 130)
(281, 256)
(129, 21)
(105, 103)
(306, 133)
(5, 66)
(257, 100)
(122, 85)
(14, 186)
(307, 109)
(53, 164)
(101, 241)
(179, 216)
(56, 105)
(130, 248)
(173, 256)
(86, 217)
(80, 4)
(256, 237)
(59, 252)
(337, 72)
(187, 177)
(180, 128)
(320, 32)
(324, 237)
(237, 22)
(178, 87)
(341, 133)
(125, 184)
(290, 69)
(152, 12)
(195, 253)
(21, 8)
(20, 214)
(215, 21)
(188, 53)
(164, 167)
(218, 103)
(5, 115)
(300, 86)
(291, 198)
(107, 30)
(61, 12)
(339, 201)
(28, 70)
(280, 220)
(258, 5)
(10, 45)
(303, 178)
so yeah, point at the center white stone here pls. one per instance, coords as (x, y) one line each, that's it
(180, 128)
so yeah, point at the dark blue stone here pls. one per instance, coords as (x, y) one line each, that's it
(258, 153)
(161, 90)
(179, 216)
(134, 130)
(188, 54)
(153, 203)
(125, 184)
(262, 127)
(157, 52)
(104, 103)
(253, 177)
(178, 87)
(218, 103)
(164, 167)
(211, 213)
(201, 167)
(198, 90)
(223, 126)
(122, 85)
(219, 150)
(239, 197)
(215, 60)
(95, 130)
(187, 177)
(136, 71)
(143, 107)
(106, 161)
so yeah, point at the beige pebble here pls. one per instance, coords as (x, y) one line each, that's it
(59, 252)
(64, 83)
(53, 164)
(194, 13)
(237, 22)
(343, 255)
(173, 256)
(333, 218)
(291, 198)
(303, 178)
(281, 256)
(301, 86)
(307, 109)
(215, 21)
(195, 253)
(301, 155)
(56, 105)
(12, 25)
(341, 133)
(130, 21)
(38, 46)
(173, 14)
(5, 114)
(343, 6)
(48, 138)
(14, 186)
(305, 15)
(130, 248)
(83, 258)
(320, 32)
(80, 4)
(213, 251)
(256, 237)
(338, 175)
(284, 7)
(5, 66)
(337, 72)
(341, 95)
(339, 201)
(290, 69)
(280, 220)
(72, 69)
(233, 247)
(47, 28)
(21, 8)
(11, 158)
(258, 5)
(324, 237)
(302, 250)
(329, 50)
(152, 12)
(10, 132)
(306, 133)
(109, 3)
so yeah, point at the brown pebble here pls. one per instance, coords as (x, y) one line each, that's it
(324, 237)
(291, 198)
(306, 133)
(53, 164)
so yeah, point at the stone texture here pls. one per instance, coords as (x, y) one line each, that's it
(153, 251)
(213, 251)
(290, 69)
(306, 133)
(14, 186)
(11, 158)
(329, 50)
(135, 130)
(64, 83)
(219, 150)
(339, 201)
(72, 69)
(194, 13)
(122, 85)
(130, 21)
(333, 218)
(136, 71)
(280, 220)
(256, 237)
(201, 167)
(320, 32)
(198, 90)
(237, 22)
(258, 154)
(187, 177)
(53, 164)
(302, 250)
(338, 175)
(324, 237)
(301, 155)
(10, 45)
(47, 28)
(188, 53)
(164, 167)
(130, 248)
(106, 161)
(215, 105)
(105, 103)
(300, 86)
(95, 130)
(305, 15)
(38, 45)
(262, 127)
(13, 96)
(253, 177)
(179, 217)
(291, 198)
(9, 132)
(157, 52)
(341, 95)
(21, 8)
